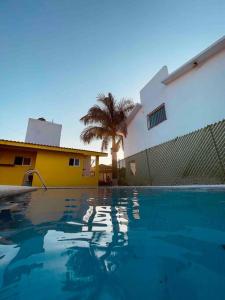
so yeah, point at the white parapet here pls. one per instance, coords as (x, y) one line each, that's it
(43, 132)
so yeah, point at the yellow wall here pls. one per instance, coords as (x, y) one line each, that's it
(13, 175)
(53, 166)
(55, 170)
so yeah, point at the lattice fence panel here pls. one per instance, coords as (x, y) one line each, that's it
(142, 171)
(195, 158)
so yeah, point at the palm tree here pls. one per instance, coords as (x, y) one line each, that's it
(107, 122)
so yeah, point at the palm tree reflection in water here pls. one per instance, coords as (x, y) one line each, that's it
(92, 267)
(85, 247)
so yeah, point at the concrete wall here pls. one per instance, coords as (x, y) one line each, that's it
(193, 101)
(43, 132)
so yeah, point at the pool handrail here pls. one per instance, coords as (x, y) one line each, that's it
(34, 171)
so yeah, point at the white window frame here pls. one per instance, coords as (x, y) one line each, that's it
(30, 161)
(23, 165)
(153, 113)
(74, 159)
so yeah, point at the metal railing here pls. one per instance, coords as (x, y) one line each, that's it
(31, 172)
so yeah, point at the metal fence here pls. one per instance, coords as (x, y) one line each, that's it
(195, 158)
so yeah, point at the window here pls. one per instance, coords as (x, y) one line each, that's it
(74, 162)
(156, 116)
(26, 161)
(22, 161)
(18, 161)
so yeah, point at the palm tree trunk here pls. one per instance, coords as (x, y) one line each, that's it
(114, 163)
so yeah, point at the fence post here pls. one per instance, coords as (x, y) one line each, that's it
(217, 152)
(149, 173)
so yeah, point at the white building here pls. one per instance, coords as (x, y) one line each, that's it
(176, 104)
(40, 131)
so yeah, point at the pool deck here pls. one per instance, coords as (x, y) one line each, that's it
(11, 190)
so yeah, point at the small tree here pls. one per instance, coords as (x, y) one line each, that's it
(107, 122)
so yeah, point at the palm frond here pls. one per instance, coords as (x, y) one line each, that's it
(95, 115)
(105, 143)
(125, 106)
(109, 103)
(93, 132)
(120, 142)
(107, 121)
(122, 129)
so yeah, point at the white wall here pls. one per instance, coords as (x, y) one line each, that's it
(43, 132)
(192, 101)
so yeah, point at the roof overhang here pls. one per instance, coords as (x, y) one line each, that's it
(31, 146)
(203, 56)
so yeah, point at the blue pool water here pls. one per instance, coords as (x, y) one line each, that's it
(112, 244)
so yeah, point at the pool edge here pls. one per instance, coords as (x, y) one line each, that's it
(193, 186)
(11, 190)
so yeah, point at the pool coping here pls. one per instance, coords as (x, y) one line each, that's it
(13, 190)
(193, 186)
(10, 190)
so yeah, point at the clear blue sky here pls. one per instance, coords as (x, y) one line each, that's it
(57, 55)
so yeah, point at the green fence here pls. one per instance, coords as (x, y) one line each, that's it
(195, 158)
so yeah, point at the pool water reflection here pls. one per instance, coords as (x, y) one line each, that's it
(114, 244)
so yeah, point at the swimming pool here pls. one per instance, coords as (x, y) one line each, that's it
(134, 243)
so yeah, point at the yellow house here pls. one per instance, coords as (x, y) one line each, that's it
(34, 164)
